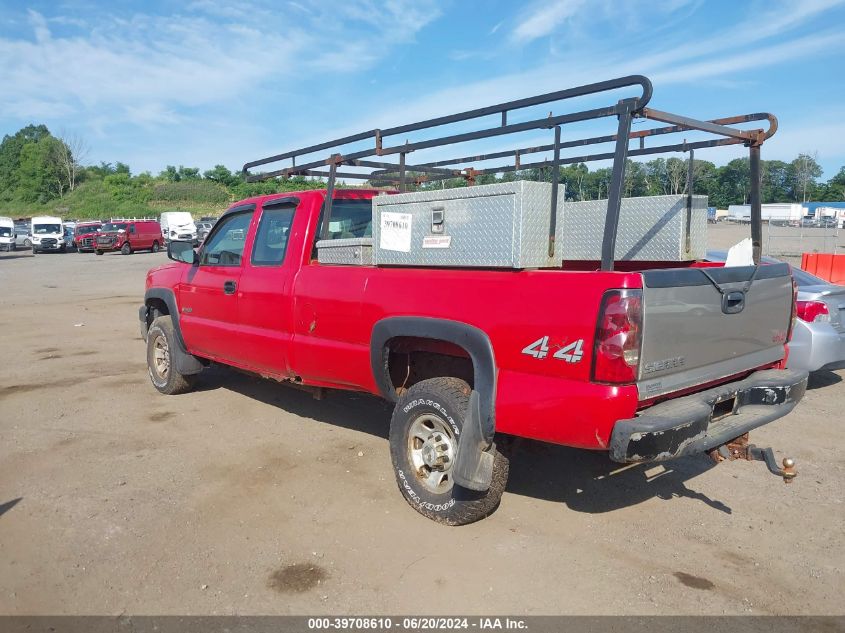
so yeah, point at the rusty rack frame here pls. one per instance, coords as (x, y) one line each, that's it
(625, 110)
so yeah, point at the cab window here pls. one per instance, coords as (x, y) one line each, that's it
(350, 219)
(225, 247)
(273, 235)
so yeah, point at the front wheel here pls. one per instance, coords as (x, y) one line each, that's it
(161, 341)
(156, 247)
(126, 249)
(424, 434)
(99, 252)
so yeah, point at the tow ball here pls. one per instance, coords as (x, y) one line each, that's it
(739, 448)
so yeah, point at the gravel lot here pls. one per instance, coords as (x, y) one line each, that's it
(248, 497)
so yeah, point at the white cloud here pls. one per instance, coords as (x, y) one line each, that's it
(544, 17)
(152, 69)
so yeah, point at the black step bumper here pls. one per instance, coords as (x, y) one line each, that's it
(702, 421)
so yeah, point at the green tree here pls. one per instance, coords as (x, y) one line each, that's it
(40, 175)
(10, 155)
(803, 172)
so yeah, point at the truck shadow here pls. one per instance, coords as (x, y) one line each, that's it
(585, 481)
(824, 378)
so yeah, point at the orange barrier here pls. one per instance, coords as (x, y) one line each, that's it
(825, 265)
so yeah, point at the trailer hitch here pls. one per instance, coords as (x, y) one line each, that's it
(739, 448)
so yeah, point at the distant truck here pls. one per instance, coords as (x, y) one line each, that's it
(178, 225)
(128, 235)
(47, 234)
(776, 214)
(7, 234)
(84, 235)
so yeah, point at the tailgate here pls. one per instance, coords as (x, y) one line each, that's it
(704, 324)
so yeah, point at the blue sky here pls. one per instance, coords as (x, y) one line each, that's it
(204, 82)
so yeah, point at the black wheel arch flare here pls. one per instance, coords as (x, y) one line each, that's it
(473, 340)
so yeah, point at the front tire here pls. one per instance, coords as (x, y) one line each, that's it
(161, 340)
(126, 249)
(424, 434)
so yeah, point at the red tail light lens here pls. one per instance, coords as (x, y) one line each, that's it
(812, 311)
(616, 355)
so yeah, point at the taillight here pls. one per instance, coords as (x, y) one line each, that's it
(616, 354)
(812, 311)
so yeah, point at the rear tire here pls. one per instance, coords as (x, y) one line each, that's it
(155, 247)
(424, 434)
(161, 340)
(27, 243)
(98, 252)
(126, 249)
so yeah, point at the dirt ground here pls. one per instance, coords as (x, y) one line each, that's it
(247, 497)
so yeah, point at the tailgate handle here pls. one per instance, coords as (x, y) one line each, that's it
(733, 302)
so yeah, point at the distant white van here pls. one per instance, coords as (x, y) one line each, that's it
(179, 226)
(47, 234)
(7, 234)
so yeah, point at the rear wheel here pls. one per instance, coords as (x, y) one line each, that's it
(156, 247)
(99, 252)
(424, 435)
(161, 341)
(27, 243)
(126, 249)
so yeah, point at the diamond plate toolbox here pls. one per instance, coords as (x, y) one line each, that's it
(503, 225)
(652, 228)
(350, 251)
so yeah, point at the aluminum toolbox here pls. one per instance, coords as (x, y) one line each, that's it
(352, 251)
(652, 228)
(503, 225)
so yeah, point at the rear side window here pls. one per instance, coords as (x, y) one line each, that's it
(131, 228)
(271, 239)
(226, 246)
(350, 218)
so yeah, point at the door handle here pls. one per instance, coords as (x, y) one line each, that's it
(229, 287)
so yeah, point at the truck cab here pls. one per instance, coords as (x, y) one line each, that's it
(47, 234)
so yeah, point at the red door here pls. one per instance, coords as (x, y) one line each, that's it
(265, 305)
(210, 292)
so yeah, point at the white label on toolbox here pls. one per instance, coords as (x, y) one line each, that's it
(437, 241)
(395, 232)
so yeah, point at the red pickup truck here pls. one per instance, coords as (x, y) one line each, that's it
(645, 360)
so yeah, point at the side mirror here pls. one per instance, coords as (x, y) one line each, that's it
(182, 252)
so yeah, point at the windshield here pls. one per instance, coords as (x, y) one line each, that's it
(82, 230)
(5, 231)
(43, 229)
(114, 226)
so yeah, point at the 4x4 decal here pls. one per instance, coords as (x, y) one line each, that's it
(571, 353)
